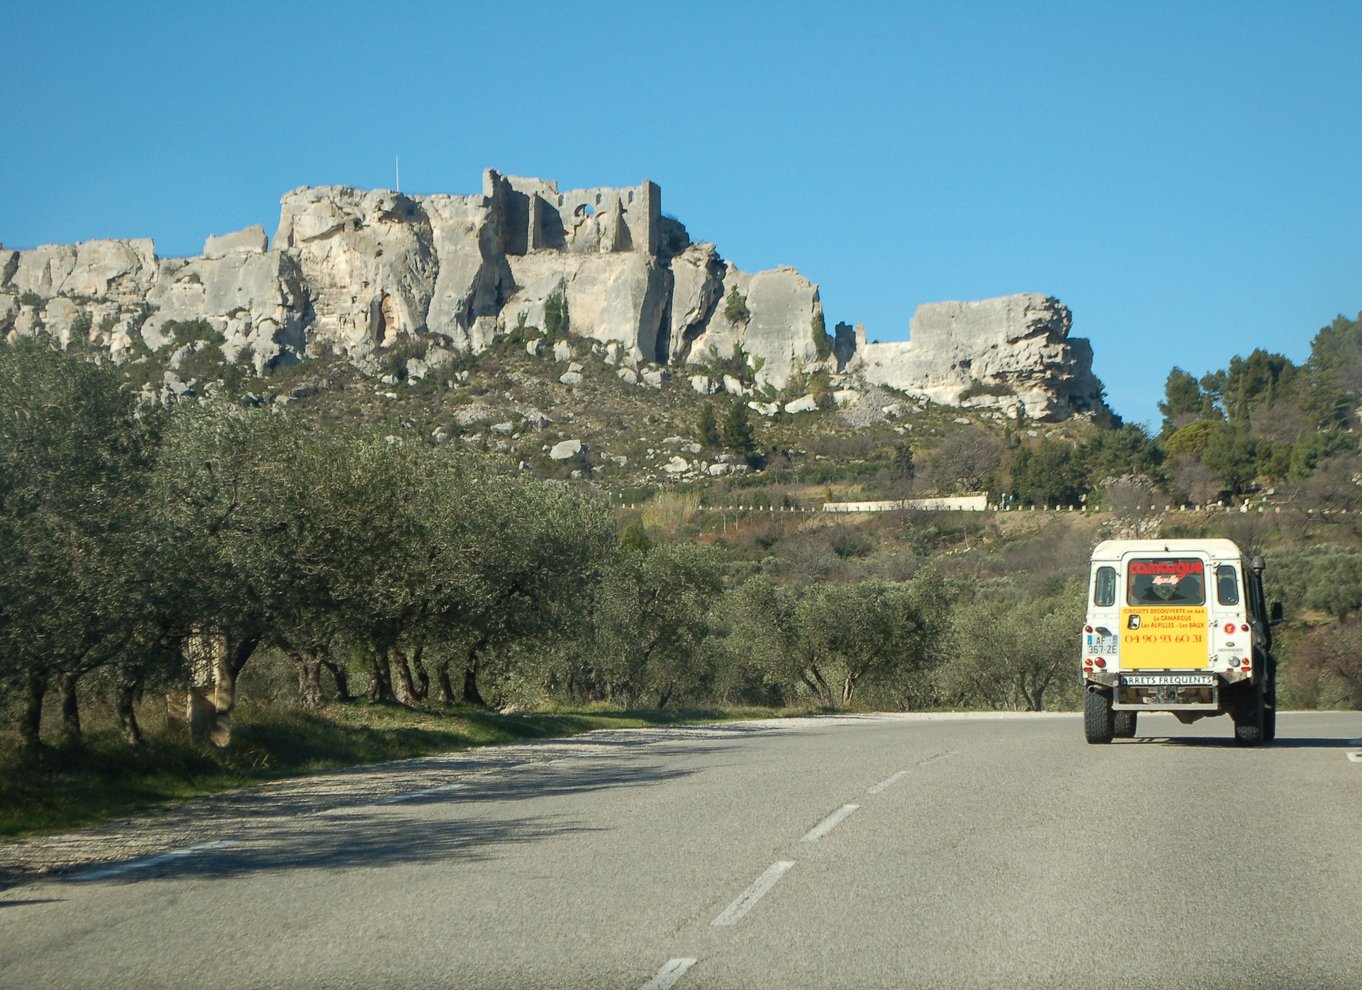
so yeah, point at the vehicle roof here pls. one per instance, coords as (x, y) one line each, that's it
(1213, 547)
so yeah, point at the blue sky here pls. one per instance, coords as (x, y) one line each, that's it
(1186, 177)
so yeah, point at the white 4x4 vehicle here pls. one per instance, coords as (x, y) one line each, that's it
(1178, 626)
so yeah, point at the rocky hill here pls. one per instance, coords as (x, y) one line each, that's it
(360, 274)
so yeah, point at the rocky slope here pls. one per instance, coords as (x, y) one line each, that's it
(357, 274)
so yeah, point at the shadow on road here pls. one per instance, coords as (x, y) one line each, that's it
(264, 832)
(1221, 741)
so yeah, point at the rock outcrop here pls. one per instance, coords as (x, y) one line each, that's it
(355, 273)
(1012, 353)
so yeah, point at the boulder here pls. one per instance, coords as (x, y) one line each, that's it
(566, 449)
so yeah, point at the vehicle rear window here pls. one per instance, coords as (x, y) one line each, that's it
(1226, 585)
(1104, 587)
(1166, 581)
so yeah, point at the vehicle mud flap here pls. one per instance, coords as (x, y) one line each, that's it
(1249, 714)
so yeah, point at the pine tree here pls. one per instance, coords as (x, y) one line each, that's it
(709, 427)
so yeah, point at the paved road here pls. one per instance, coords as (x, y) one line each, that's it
(881, 851)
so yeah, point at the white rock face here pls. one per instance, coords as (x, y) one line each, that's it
(369, 262)
(805, 403)
(354, 272)
(697, 289)
(1011, 353)
(252, 240)
(781, 306)
(255, 300)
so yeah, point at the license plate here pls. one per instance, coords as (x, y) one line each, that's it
(1167, 680)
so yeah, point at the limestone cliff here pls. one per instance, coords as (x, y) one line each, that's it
(353, 272)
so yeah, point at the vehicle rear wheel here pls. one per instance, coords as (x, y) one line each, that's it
(1099, 721)
(1124, 725)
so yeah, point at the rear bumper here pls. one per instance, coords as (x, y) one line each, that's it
(1170, 690)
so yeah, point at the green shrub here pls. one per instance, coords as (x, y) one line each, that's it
(556, 322)
(735, 308)
(81, 326)
(977, 388)
(189, 331)
(822, 343)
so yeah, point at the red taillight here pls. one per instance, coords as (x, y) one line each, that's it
(1243, 628)
(1229, 627)
(1087, 628)
(1246, 663)
(1100, 662)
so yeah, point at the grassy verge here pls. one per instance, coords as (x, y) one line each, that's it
(101, 779)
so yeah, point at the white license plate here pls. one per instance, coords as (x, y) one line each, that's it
(1167, 680)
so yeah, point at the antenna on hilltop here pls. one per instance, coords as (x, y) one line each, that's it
(397, 165)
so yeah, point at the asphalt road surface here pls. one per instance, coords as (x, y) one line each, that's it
(877, 851)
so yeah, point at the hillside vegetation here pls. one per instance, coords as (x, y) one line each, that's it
(321, 535)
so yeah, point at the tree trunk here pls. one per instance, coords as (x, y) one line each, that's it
(818, 684)
(665, 696)
(407, 689)
(422, 675)
(70, 708)
(31, 718)
(214, 662)
(127, 715)
(341, 677)
(471, 694)
(381, 681)
(446, 685)
(309, 678)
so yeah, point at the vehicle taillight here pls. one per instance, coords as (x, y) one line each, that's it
(1229, 627)
(1100, 662)
(1087, 628)
(1243, 628)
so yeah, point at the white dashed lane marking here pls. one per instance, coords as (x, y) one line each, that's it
(888, 782)
(829, 823)
(732, 914)
(668, 975)
(894, 778)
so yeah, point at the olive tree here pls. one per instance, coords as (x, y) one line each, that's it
(652, 618)
(74, 550)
